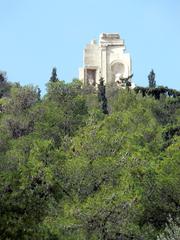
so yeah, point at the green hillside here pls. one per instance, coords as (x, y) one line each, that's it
(69, 171)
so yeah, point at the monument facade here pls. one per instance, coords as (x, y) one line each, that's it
(106, 59)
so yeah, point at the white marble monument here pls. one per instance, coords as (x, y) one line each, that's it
(106, 59)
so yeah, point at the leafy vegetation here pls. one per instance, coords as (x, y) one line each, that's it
(69, 171)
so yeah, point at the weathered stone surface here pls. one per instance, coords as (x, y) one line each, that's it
(106, 59)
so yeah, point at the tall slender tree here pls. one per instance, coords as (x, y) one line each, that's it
(151, 78)
(4, 85)
(54, 75)
(102, 96)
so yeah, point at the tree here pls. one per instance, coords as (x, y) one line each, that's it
(39, 93)
(4, 85)
(18, 119)
(27, 189)
(171, 232)
(102, 96)
(54, 75)
(68, 171)
(151, 78)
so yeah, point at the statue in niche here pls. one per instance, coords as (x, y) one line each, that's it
(118, 78)
(91, 77)
(117, 72)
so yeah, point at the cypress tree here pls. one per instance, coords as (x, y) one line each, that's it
(151, 78)
(54, 75)
(102, 96)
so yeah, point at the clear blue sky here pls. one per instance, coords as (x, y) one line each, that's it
(37, 35)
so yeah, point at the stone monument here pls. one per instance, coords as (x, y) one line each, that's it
(106, 59)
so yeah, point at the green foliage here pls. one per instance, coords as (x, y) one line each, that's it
(4, 85)
(22, 98)
(17, 119)
(171, 232)
(157, 92)
(26, 188)
(67, 103)
(68, 171)
(102, 96)
(54, 76)
(151, 78)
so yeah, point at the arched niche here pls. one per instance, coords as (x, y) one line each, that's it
(117, 71)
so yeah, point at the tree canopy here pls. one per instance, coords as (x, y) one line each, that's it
(70, 171)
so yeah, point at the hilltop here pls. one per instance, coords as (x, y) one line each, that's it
(69, 171)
